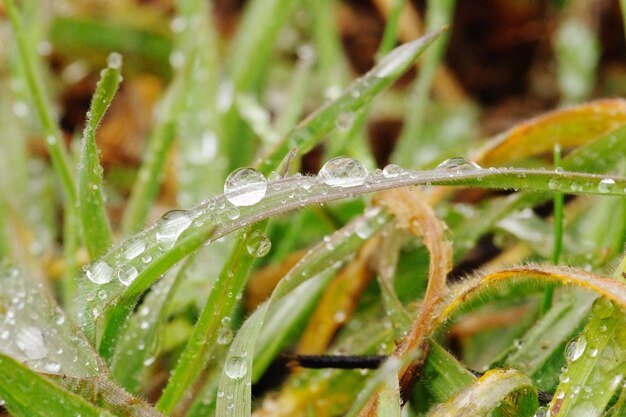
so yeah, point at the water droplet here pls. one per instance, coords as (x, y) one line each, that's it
(458, 164)
(258, 244)
(134, 249)
(553, 184)
(363, 229)
(392, 171)
(236, 367)
(100, 272)
(30, 341)
(245, 187)
(343, 172)
(344, 121)
(102, 295)
(224, 335)
(542, 412)
(606, 185)
(114, 60)
(602, 308)
(170, 227)
(127, 275)
(575, 348)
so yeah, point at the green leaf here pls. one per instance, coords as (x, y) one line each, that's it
(595, 368)
(445, 375)
(94, 220)
(508, 391)
(28, 394)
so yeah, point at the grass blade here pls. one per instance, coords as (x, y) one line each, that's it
(54, 139)
(322, 260)
(357, 95)
(508, 391)
(94, 220)
(19, 386)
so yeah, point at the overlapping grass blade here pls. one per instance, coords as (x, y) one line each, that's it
(94, 220)
(507, 391)
(19, 386)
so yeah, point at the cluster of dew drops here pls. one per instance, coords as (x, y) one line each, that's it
(247, 187)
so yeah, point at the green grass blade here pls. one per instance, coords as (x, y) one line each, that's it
(232, 280)
(143, 330)
(389, 402)
(234, 384)
(542, 346)
(28, 394)
(93, 216)
(445, 374)
(357, 95)
(54, 139)
(411, 142)
(595, 359)
(509, 392)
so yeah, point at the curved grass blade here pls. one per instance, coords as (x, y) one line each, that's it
(19, 386)
(35, 331)
(508, 391)
(569, 127)
(445, 375)
(179, 233)
(356, 96)
(54, 139)
(532, 278)
(235, 380)
(94, 220)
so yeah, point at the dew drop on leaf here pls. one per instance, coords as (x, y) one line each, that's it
(343, 172)
(127, 274)
(52, 367)
(575, 348)
(602, 308)
(258, 244)
(170, 226)
(392, 171)
(30, 341)
(114, 60)
(236, 367)
(224, 335)
(457, 164)
(99, 272)
(245, 187)
(606, 185)
(344, 121)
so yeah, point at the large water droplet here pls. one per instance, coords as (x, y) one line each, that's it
(236, 367)
(114, 60)
(343, 172)
(458, 164)
(575, 348)
(100, 272)
(30, 341)
(258, 244)
(127, 274)
(602, 308)
(606, 185)
(170, 226)
(245, 187)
